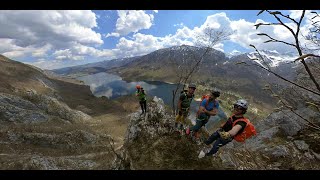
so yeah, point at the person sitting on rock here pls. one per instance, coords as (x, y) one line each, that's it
(236, 127)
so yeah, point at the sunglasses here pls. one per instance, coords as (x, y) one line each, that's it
(238, 107)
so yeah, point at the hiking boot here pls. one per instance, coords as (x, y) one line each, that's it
(207, 150)
(201, 154)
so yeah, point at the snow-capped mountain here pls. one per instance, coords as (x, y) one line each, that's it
(272, 58)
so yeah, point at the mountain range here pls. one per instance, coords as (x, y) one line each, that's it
(216, 70)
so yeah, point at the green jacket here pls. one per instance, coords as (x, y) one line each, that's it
(185, 101)
(141, 95)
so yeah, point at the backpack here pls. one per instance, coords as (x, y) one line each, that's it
(248, 131)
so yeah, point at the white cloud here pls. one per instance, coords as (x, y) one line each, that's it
(245, 34)
(141, 44)
(70, 35)
(295, 14)
(133, 21)
(36, 32)
(42, 51)
(156, 11)
(53, 64)
(113, 35)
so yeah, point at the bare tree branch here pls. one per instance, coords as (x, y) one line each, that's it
(192, 62)
(296, 37)
(275, 40)
(305, 56)
(277, 75)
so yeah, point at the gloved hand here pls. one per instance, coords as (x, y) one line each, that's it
(180, 113)
(224, 135)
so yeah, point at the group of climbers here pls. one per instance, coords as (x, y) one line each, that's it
(237, 127)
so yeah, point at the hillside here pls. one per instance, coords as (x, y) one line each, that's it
(50, 122)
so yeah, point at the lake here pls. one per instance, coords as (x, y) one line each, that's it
(112, 86)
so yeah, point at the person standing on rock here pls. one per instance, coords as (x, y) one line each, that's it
(237, 127)
(140, 93)
(208, 107)
(184, 106)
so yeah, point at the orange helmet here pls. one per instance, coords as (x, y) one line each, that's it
(138, 86)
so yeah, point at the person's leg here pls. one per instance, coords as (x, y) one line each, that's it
(183, 120)
(199, 124)
(145, 106)
(141, 105)
(196, 127)
(219, 142)
(212, 138)
(178, 121)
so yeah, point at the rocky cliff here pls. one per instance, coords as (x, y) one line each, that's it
(282, 142)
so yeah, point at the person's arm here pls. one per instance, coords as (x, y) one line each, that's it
(235, 130)
(213, 112)
(201, 110)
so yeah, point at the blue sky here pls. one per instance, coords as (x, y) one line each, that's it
(54, 39)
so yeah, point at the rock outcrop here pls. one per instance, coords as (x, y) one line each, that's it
(151, 143)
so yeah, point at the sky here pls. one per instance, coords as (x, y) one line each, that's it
(51, 39)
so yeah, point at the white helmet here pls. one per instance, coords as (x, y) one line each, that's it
(242, 103)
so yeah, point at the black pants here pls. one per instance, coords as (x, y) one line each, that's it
(219, 142)
(143, 105)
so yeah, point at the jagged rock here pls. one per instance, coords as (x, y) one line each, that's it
(16, 109)
(153, 123)
(40, 163)
(308, 155)
(71, 140)
(12, 136)
(288, 122)
(55, 107)
(15, 101)
(259, 142)
(301, 145)
(39, 108)
(279, 151)
(227, 161)
(157, 100)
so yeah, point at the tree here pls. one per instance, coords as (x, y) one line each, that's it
(312, 74)
(194, 57)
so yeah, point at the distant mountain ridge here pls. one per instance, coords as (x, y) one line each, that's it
(216, 69)
(94, 67)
